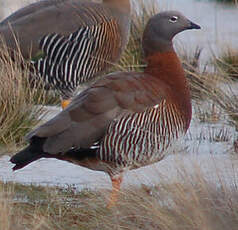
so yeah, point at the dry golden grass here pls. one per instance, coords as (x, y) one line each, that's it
(18, 100)
(215, 87)
(191, 203)
(228, 62)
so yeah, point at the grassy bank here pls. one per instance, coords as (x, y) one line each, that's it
(192, 203)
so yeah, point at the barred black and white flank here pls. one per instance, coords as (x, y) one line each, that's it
(69, 42)
(79, 57)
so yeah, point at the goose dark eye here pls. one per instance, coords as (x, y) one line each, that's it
(173, 19)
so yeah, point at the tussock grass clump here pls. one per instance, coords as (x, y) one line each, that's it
(191, 64)
(214, 88)
(18, 97)
(219, 94)
(190, 60)
(220, 90)
(228, 62)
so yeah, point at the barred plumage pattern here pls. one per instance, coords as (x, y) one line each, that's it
(142, 138)
(77, 58)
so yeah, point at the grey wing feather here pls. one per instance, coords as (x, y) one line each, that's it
(81, 124)
(56, 125)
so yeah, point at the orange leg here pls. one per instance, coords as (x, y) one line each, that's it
(65, 103)
(116, 184)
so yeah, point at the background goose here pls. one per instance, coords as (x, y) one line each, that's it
(69, 41)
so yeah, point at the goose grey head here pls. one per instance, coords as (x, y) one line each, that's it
(161, 29)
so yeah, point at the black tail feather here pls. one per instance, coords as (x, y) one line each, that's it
(35, 151)
(31, 153)
(24, 158)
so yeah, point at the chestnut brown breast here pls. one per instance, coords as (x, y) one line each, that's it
(142, 138)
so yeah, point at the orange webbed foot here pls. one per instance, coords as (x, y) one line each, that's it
(65, 103)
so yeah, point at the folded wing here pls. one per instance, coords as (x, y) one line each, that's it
(87, 118)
